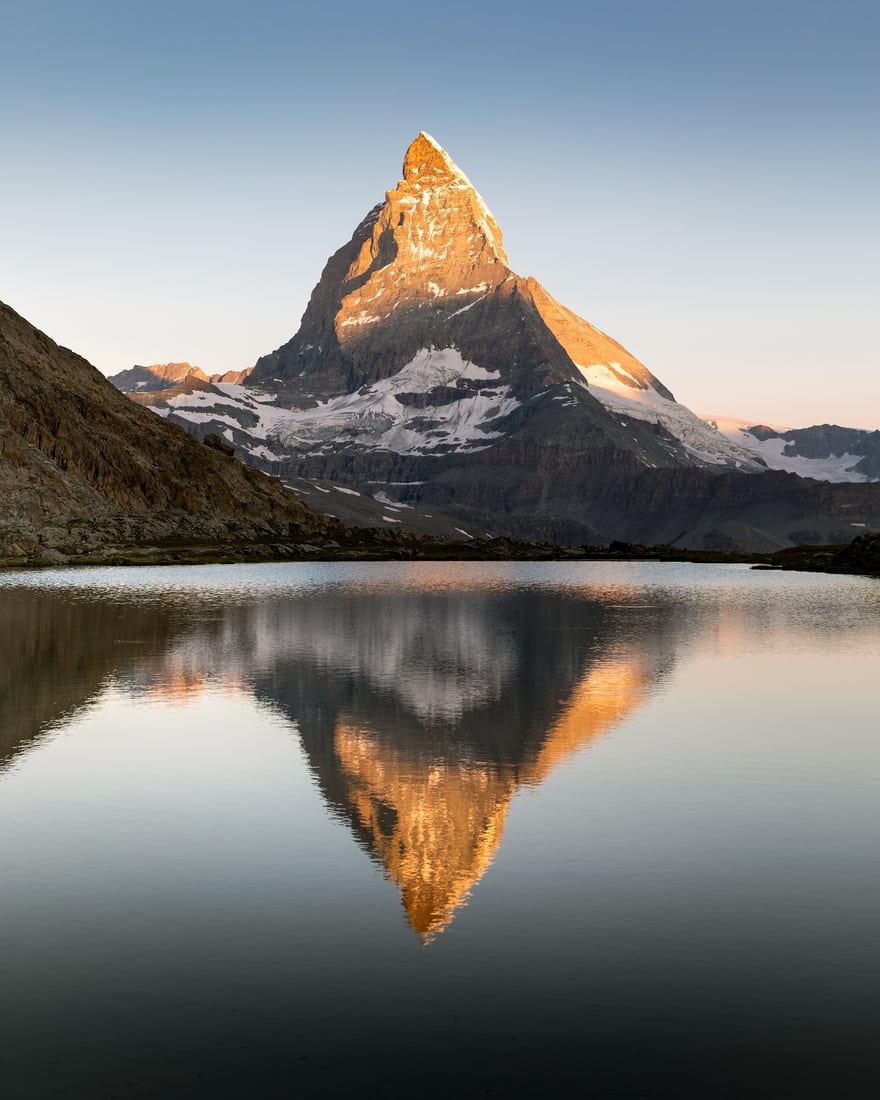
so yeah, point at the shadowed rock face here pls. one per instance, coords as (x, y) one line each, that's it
(80, 464)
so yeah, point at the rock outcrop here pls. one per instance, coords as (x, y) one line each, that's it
(233, 377)
(160, 376)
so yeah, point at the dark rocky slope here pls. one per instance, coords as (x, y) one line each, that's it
(81, 466)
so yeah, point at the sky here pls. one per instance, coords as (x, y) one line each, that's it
(698, 178)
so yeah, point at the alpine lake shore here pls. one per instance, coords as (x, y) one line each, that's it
(860, 557)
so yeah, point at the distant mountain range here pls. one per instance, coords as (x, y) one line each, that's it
(826, 452)
(432, 388)
(166, 376)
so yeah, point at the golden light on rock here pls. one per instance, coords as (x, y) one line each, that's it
(601, 701)
(433, 223)
(183, 685)
(435, 828)
(435, 823)
(586, 344)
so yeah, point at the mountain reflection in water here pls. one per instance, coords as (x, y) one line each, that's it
(59, 653)
(194, 764)
(440, 706)
(435, 818)
(421, 711)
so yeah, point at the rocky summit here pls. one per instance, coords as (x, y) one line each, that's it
(430, 378)
(419, 340)
(82, 468)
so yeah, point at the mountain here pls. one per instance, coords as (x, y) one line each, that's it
(81, 466)
(428, 378)
(165, 376)
(826, 452)
(420, 342)
(160, 376)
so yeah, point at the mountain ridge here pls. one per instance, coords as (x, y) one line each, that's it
(165, 376)
(827, 452)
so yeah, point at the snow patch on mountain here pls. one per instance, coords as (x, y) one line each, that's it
(624, 395)
(832, 468)
(380, 416)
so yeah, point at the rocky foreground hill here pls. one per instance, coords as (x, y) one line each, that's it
(430, 384)
(82, 468)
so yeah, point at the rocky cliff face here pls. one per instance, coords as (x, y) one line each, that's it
(80, 464)
(160, 376)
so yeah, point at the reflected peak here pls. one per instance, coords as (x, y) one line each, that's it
(435, 829)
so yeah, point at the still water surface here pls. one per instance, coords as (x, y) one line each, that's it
(439, 829)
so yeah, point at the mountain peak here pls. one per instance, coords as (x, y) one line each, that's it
(433, 184)
(426, 153)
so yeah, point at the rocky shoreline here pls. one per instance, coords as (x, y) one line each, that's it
(861, 557)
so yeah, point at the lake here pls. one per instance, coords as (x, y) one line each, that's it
(439, 829)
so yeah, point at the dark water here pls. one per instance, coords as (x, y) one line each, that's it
(434, 830)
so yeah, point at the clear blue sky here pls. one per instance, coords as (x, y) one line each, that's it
(699, 179)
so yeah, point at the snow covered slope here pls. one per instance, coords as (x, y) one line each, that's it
(625, 395)
(825, 452)
(438, 402)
